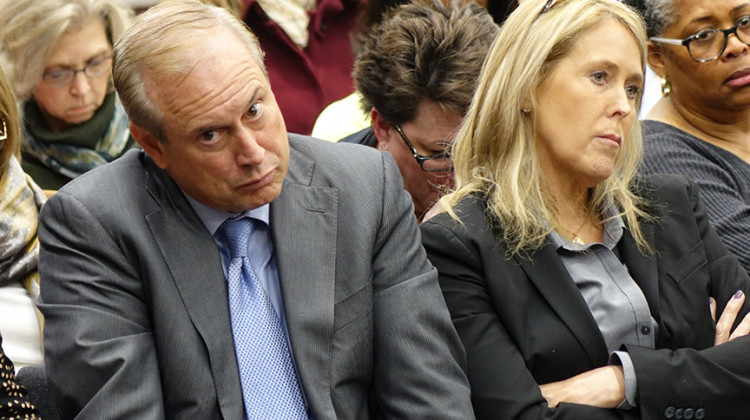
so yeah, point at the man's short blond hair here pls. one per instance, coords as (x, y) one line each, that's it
(156, 44)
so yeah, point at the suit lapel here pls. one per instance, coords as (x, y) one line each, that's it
(547, 272)
(195, 264)
(304, 226)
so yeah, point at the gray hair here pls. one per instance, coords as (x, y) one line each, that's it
(30, 29)
(155, 43)
(659, 15)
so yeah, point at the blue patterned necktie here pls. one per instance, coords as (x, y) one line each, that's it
(270, 387)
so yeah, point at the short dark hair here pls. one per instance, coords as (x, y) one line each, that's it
(424, 51)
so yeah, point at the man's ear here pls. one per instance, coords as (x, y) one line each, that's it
(150, 144)
(381, 128)
(655, 58)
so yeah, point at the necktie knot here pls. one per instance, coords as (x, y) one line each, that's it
(235, 233)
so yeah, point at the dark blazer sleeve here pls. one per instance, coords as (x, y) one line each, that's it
(523, 323)
(502, 386)
(687, 376)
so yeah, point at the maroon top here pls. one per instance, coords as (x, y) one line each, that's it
(306, 81)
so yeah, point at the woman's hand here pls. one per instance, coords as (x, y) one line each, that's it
(724, 331)
(603, 387)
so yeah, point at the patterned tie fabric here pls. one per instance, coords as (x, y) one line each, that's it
(270, 386)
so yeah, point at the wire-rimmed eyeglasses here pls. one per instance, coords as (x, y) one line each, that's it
(4, 132)
(96, 67)
(708, 44)
(440, 162)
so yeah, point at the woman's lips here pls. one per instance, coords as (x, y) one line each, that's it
(739, 78)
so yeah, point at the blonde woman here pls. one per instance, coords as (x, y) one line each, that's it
(579, 291)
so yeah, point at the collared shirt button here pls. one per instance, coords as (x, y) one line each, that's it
(678, 413)
(645, 329)
(689, 412)
(669, 412)
(700, 413)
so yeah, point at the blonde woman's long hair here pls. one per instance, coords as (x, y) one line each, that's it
(11, 146)
(494, 153)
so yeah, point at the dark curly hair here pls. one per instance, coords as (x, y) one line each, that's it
(423, 51)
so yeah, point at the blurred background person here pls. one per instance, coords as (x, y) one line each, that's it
(701, 127)
(416, 72)
(308, 53)
(20, 201)
(344, 116)
(57, 55)
(580, 291)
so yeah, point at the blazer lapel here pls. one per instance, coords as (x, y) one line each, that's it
(304, 226)
(547, 272)
(195, 264)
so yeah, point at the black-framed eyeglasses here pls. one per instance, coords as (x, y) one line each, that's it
(4, 133)
(93, 69)
(708, 44)
(440, 162)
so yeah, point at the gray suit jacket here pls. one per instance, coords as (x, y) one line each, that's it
(135, 300)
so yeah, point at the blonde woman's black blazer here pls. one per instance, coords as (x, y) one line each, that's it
(523, 322)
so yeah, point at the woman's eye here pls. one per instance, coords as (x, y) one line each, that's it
(706, 35)
(632, 91)
(599, 77)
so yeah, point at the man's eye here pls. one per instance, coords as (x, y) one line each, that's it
(254, 110)
(209, 136)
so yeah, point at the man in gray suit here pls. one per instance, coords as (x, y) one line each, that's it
(139, 324)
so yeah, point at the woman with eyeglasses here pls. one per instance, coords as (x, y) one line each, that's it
(58, 57)
(580, 290)
(701, 126)
(20, 202)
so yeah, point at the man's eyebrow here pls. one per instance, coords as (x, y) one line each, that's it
(209, 127)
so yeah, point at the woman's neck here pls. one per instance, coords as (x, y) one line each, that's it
(577, 220)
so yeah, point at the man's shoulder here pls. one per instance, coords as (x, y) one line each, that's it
(335, 158)
(118, 183)
(122, 170)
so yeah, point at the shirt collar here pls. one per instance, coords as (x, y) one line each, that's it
(213, 218)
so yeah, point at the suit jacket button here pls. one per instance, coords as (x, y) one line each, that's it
(669, 412)
(645, 330)
(700, 413)
(689, 412)
(678, 413)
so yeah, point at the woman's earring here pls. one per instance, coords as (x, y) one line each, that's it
(666, 86)
(526, 111)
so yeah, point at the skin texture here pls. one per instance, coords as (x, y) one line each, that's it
(76, 102)
(226, 140)
(429, 132)
(709, 100)
(585, 111)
